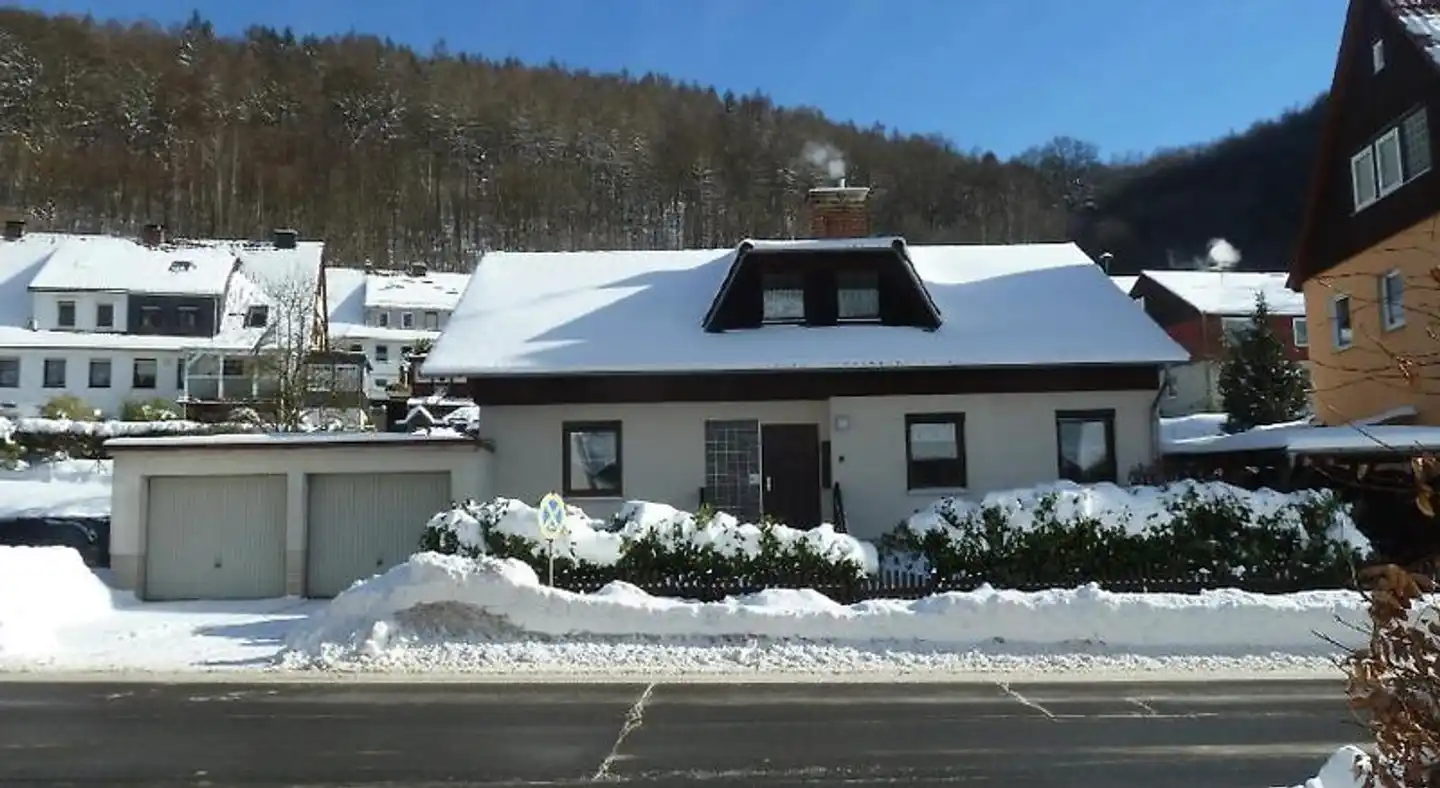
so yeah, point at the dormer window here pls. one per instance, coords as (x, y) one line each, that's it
(857, 295)
(784, 297)
(257, 316)
(178, 266)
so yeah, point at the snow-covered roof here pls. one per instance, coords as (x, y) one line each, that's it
(390, 334)
(1300, 439)
(272, 267)
(1230, 292)
(1421, 19)
(399, 290)
(1125, 283)
(632, 311)
(112, 264)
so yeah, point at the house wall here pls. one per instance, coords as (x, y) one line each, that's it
(45, 309)
(469, 467)
(1365, 379)
(1010, 441)
(396, 317)
(1194, 388)
(31, 393)
(384, 372)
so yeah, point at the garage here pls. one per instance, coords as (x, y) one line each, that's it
(262, 515)
(215, 537)
(361, 524)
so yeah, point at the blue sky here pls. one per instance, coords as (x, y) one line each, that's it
(1128, 75)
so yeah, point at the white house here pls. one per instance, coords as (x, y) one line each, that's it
(387, 314)
(111, 320)
(844, 379)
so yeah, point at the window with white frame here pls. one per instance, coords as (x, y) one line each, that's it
(1400, 154)
(1341, 331)
(383, 320)
(1300, 330)
(407, 319)
(1377, 56)
(1392, 301)
(382, 354)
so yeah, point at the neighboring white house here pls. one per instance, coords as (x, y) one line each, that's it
(845, 379)
(386, 314)
(1204, 311)
(111, 320)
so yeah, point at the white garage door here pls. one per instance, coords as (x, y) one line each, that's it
(362, 524)
(215, 537)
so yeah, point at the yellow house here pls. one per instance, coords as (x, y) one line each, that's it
(1368, 260)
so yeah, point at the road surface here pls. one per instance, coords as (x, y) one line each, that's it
(1196, 735)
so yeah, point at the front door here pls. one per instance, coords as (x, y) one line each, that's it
(790, 465)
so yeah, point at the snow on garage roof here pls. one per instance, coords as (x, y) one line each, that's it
(399, 290)
(1230, 292)
(634, 311)
(266, 440)
(1125, 283)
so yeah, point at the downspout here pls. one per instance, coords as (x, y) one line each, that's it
(1157, 449)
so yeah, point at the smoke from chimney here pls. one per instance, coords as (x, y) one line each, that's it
(1221, 255)
(826, 158)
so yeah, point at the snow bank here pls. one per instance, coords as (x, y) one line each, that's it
(41, 590)
(1136, 508)
(437, 597)
(62, 488)
(1198, 426)
(590, 540)
(1339, 771)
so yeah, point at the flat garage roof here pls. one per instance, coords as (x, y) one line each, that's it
(269, 440)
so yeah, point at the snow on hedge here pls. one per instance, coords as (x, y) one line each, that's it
(109, 429)
(434, 599)
(1134, 508)
(41, 590)
(598, 542)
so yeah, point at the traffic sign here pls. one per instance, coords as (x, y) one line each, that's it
(552, 517)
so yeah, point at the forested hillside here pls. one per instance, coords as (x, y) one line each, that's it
(392, 155)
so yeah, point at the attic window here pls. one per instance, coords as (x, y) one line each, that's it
(1377, 56)
(857, 295)
(176, 266)
(784, 297)
(257, 316)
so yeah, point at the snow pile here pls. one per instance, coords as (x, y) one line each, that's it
(41, 590)
(1341, 770)
(1135, 508)
(428, 610)
(61, 488)
(590, 540)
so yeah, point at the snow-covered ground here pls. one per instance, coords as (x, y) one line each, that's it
(65, 488)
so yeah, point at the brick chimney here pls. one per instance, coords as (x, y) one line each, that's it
(14, 229)
(152, 234)
(839, 212)
(285, 238)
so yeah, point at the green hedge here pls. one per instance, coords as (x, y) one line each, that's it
(1215, 537)
(662, 553)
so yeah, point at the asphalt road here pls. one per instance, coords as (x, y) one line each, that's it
(1104, 735)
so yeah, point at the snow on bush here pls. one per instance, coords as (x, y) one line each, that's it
(438, 599)
(1067, 530)
(651, 538)
(82, 438)
(42, 589)
(1347, 768)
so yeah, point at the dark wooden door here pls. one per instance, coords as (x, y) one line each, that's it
(790, 467)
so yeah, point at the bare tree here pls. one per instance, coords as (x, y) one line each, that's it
(298, 374)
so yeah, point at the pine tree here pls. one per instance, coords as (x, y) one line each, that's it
(1259, 383)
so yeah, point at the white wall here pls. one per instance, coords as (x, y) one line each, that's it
(1195, 387)
(469, 467)
(396, 319)
(31, 393)
(1011, 441)
(45, 307)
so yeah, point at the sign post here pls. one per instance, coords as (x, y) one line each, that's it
(552, 526)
